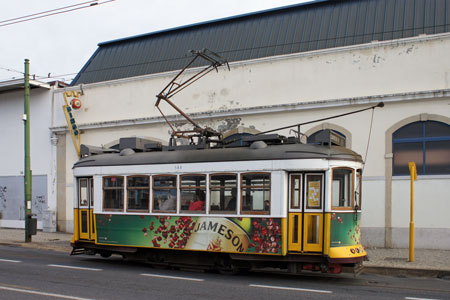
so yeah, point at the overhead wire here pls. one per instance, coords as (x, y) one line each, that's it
(11, 70)
(36, 76)
(52, 12)
(47, 11)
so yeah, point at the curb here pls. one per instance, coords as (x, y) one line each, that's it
(42, 246)
(406, 272)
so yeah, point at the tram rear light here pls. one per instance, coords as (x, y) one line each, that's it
(352, 251)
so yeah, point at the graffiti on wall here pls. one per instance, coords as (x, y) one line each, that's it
(3, 190)
(12, 204)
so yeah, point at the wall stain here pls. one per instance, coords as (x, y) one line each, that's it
(224, 92)
(377, 59)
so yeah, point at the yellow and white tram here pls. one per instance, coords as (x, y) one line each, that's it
(262, 200)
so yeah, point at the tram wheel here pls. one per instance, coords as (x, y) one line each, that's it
(226, 267)
(105, 254)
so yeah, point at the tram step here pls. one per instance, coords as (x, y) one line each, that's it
(78, 251)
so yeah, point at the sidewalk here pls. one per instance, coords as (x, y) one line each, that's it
(57, 241)
(393, 262)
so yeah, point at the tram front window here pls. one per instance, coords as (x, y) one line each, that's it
(342, 189)
(223, 193)
(255, 193)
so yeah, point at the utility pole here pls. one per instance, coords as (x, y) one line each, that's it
(27, 180)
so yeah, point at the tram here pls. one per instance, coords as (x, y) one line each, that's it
(257, 201)
(227, 201)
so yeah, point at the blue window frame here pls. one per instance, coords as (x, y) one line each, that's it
(427, 143)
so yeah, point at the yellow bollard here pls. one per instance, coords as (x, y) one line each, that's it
(413, 175)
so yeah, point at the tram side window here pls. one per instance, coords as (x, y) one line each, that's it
(165, 193)
(255, 188)
(342, 189)
(113, 193)
(138, 188)
(193, 193)
(223, 193)
(358, 189)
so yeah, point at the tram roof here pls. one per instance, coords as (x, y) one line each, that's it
(271, 152)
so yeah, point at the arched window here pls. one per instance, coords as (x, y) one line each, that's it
(312, 139)
(427, 143)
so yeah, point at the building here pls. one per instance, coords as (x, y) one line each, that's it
(42, 152)
(294, 64)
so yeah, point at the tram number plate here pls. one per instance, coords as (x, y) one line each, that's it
(178, 167)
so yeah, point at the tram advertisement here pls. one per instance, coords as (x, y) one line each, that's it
(235, 235)
(345, 229)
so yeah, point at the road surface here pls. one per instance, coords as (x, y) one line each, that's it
(38, 274)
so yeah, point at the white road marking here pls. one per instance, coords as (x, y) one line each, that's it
(42, 293)
(10, 260)
(412, 298)
(173, 277)
(290, 288)
(76, 268)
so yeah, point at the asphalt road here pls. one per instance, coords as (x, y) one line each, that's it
(37, 274)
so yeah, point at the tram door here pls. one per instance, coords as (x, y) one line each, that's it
(85, 208)
(306, 212)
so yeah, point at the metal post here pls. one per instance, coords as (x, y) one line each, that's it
(27, 180)
(413, 175)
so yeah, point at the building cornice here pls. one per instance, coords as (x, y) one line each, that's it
(19, 84)
(258, 110)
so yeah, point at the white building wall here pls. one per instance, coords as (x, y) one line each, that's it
(385, 68)
(12, 133)
(411, 76)
(12, 158)
(431, 208)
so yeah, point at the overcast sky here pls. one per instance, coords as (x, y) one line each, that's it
(61, 44)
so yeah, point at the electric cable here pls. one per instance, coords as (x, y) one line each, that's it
(11, 70)
(47, 11)
(51, 13)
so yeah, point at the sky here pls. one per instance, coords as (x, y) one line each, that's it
(58, 46)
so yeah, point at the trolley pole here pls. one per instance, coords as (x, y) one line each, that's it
(413, 175)
(27, 180)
